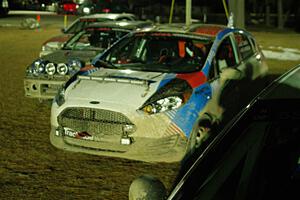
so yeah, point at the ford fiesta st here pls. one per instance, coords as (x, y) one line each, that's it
(46, 74)
(156, 94)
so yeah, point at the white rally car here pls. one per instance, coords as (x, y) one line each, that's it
(157, 93)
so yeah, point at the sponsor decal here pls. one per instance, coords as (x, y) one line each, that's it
(194, 79)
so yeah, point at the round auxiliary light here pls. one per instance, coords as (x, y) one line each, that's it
(62, 69)
(50, 68)
(38, 67)
(75, 65)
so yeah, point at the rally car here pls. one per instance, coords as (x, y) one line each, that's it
(46, 74)
(79, 24)
(156, 94)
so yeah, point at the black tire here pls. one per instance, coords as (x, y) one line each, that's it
(199, 135)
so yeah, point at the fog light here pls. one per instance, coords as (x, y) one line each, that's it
(126, 141)
(86, 10)
(57, 133)
(128, 128)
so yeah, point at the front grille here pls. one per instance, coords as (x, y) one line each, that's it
(94, 121)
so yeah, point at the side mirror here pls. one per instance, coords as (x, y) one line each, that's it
(147, 187)
(229, 73)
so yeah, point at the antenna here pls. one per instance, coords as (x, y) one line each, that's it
(230, 21)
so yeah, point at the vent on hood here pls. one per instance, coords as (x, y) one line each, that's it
(116, 79)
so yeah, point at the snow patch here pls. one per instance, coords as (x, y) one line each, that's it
(281, 53)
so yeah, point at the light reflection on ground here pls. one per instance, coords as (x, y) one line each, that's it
(281, 53)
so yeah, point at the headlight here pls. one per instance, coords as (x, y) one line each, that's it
(75, 65)
(52, 46)
(60, 96)
(46, 48)
(50, 68)
(168, 103)
(86, 10)
(62, 69)
(173, 95)
(29, 70)
(38, 67)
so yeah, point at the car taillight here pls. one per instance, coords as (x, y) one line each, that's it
(106, 10)
(70, 7)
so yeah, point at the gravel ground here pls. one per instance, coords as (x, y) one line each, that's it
(30, 167)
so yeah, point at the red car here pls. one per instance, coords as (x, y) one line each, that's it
(67, 7)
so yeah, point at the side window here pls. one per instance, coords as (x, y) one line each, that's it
(244, 46)
(225, 56)
(213, 72)
(76, 27)
(254, 44)
(123, 19)
(277, 173)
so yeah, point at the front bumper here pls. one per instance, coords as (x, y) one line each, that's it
(43, 88)
(166, 149)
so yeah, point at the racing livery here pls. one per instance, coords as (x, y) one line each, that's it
(156, 94)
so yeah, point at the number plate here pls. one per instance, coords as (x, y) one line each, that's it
(74, 134)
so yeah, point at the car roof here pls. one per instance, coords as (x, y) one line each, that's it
(111, 16)
(287, 86)
(210, 30)
(128, 25)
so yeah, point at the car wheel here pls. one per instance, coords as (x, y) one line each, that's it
(199, 134)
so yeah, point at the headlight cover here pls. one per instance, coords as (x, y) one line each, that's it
(168, 103)
(46, 48)
(173, 95)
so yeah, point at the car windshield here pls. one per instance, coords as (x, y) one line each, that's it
(81, 24)
(160, 52)
(94, 39)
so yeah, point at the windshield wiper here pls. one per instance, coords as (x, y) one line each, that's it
(106, 64)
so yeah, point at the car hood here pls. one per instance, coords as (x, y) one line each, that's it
(115, 87)
(59, 38)
(65, 55)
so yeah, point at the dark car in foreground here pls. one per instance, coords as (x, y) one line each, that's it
(46, 74)
(256, 155)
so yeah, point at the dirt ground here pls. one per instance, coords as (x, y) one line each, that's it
(30, 168)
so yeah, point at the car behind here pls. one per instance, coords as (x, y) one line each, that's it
(48, 73)
(80, 23)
